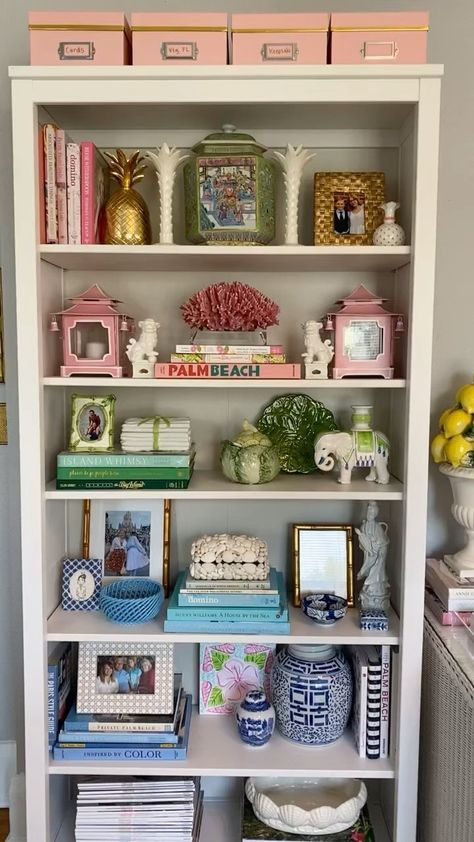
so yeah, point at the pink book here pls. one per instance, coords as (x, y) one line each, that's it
(41, 187)
(73, 171)
(61, 194)
(229, 370)
(94, 186)
(445, 617)
(49, 135)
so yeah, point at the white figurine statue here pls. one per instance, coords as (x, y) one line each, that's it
(318, 353)
(374, 541)
(166, 164)
(142, 352)
(292, 163)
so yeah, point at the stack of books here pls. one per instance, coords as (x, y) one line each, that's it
(125, 737)
(138, 808)
(253, 830)
(221, 361)
(74, 186)
(119, 470)
(372, 669)
(449, 598)
(228, 606)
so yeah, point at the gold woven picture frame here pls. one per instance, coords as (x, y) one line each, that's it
(347, 207)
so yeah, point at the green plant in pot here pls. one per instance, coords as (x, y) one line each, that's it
(250, 457)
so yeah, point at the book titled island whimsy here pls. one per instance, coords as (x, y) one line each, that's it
(254, 830)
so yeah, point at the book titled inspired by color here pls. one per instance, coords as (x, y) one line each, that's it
(206, 371)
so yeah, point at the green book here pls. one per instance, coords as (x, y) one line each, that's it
(119, 484)
(122, 459)
(99, 474)
(253, 830)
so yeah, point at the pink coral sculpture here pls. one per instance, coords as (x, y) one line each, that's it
(230, 306)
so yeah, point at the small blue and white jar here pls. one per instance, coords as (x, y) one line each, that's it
(255, 718)
(312, 693)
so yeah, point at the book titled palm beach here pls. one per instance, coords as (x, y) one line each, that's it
(206, 371)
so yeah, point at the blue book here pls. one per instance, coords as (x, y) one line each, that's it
(232, 599)
(103, 724)
(103, 751)
(59, 688)
(180, 459)
(239, 615)
(220, 627)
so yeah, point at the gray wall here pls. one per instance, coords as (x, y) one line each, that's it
(450, 42)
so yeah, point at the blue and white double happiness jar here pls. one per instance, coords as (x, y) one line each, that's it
(312, 693)
(255, 718)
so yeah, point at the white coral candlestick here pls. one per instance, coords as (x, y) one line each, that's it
(166, 164)
(292, 163)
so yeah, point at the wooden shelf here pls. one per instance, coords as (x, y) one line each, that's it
(212, 485)
(215, 749)
(186, 258)
(229, 383)
(94, 626)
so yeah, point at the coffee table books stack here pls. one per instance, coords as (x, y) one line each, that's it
(148, 808)
(126, 470)
(253, 830)
(228, 606)
(128, 737)
(449, 597)
(222, 361)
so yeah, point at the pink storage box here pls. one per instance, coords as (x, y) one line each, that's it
(179, 38)
(280, 38)
(79, 38)
(379, 38)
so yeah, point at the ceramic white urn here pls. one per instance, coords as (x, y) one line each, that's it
(389, 233)
(462, 509)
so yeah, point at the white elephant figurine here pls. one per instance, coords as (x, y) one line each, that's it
(356, 449)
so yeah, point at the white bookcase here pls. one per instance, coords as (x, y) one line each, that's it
(355, 118)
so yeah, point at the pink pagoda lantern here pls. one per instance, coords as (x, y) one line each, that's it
(364, 335)
(91, 331)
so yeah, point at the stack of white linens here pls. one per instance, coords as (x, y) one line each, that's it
(158, 433)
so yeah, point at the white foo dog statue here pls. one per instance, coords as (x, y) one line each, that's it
(318, 353)
(142, 352)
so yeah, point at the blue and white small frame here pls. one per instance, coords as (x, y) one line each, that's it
(82, 580)
(373, 619)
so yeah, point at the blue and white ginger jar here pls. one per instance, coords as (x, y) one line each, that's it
(255, 718)
(312, 693)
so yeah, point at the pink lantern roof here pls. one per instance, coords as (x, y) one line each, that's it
(362, 302)
(94, 301)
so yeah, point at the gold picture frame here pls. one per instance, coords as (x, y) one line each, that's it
(345, 200)
(86, 539)
(2, 357)
(310, 543)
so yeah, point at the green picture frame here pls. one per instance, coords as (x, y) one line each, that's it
(92, 422)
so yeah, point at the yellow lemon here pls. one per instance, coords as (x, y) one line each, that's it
(465, 396)
(456, 422)
(456, 448)
(445, 414)
(438, 448)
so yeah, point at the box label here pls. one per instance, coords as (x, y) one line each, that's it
(279, 52)
(179, 50)
(76, 50)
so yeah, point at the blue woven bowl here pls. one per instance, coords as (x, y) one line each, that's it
(131, 600)
(324, 608)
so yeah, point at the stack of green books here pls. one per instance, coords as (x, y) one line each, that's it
(124, 471)
(254, 830)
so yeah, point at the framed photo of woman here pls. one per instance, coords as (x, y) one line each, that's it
(347, 207)
(131, 536)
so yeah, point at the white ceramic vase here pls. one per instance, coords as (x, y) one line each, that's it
(462, 509)
(166, 164)
(389, 233)
(292, 163)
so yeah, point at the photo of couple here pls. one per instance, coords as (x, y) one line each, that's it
(127, 543)
(349, 213)
(125, 674)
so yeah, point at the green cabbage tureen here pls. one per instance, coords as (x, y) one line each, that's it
(250, 458)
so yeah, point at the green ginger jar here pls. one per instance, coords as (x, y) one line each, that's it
(229, 191)
(250, 458)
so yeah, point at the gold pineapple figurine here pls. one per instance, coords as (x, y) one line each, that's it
(126, 214)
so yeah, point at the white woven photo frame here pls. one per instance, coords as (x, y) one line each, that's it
(160, 701)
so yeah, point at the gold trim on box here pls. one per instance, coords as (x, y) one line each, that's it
(295, 561)
(179, 29)
(78, 27)
(287, 29)
(379, 28)
(326, 184)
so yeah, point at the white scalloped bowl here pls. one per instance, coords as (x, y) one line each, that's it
(307, 805)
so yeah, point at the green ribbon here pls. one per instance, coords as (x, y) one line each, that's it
(156, 427)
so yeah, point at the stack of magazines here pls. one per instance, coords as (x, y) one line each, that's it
(127, 737)
(138, 808)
